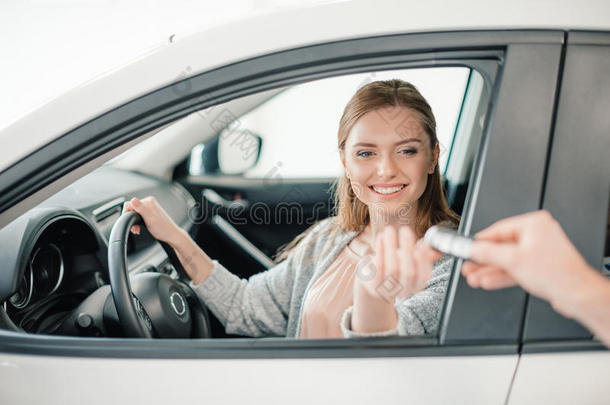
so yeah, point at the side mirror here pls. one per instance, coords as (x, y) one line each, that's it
(230, 153)
(238, 151)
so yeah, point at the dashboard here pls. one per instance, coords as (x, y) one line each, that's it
(54, 256)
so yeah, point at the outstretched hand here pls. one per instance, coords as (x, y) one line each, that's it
(530, 250)
(399, 267)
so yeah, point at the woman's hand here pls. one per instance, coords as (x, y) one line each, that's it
(197, 264)
(157, 221)
(399, 268)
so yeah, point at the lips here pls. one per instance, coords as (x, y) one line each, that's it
(388, 189)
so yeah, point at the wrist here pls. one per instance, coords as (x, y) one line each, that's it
(178, 239)
(585, 290)
(197, 264)
(373, 314)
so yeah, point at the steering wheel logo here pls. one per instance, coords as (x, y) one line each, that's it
(177, 303)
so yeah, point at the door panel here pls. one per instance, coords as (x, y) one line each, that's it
(508, 180)
(281, 381)
(577, 191)
(579, 377)
(578, 187)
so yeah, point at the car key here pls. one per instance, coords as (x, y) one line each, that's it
(448, 241)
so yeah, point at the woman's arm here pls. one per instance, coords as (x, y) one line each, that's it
(255, 307)
(197, 264)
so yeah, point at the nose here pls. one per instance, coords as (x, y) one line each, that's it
(386, 167)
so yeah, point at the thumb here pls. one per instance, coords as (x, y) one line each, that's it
(492, 253)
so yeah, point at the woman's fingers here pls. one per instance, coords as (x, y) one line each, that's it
(424, 267)
(137, 204)
(408, 274)
(379, 259)
(401, 268)
(411, 269)
(422, 264)
(390, 246)
(158, 223)
(427, 252)
(406, 238)
(127, 206)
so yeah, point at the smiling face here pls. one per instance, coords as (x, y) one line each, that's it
(388, 158)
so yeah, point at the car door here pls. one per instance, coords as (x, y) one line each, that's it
(474, 356)
(560, 361)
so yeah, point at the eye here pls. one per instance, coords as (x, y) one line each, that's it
(364, 153)
(409, 151)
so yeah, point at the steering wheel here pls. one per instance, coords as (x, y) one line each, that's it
(151, 304)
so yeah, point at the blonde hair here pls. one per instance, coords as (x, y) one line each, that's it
(351, 213)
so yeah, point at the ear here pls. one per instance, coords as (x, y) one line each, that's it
(342, 157)
(435, 154)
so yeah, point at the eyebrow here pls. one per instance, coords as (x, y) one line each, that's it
(396, 144)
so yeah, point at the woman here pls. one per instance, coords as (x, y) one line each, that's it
(360, 272)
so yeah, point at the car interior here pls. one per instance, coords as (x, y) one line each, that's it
(217, 174)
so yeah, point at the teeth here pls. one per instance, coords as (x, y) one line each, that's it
(387, 190)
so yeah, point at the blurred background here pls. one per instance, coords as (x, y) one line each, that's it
(50, 47)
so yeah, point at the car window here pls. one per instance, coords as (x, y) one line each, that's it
(293, 145)
(299, 126)
(293, 132)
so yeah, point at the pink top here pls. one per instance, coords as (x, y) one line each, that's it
(329, 297)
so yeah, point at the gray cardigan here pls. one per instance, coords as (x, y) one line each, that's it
(271, 303)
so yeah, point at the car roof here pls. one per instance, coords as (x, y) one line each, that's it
(278, 30)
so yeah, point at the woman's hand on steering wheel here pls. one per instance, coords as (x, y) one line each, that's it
(156, 219)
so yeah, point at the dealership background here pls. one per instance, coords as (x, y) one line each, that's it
(50, 47)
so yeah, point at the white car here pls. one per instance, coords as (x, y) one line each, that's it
(230, 127)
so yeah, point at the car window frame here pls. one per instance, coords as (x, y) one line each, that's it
(521, 129)
(544, 329)
(500, 56)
